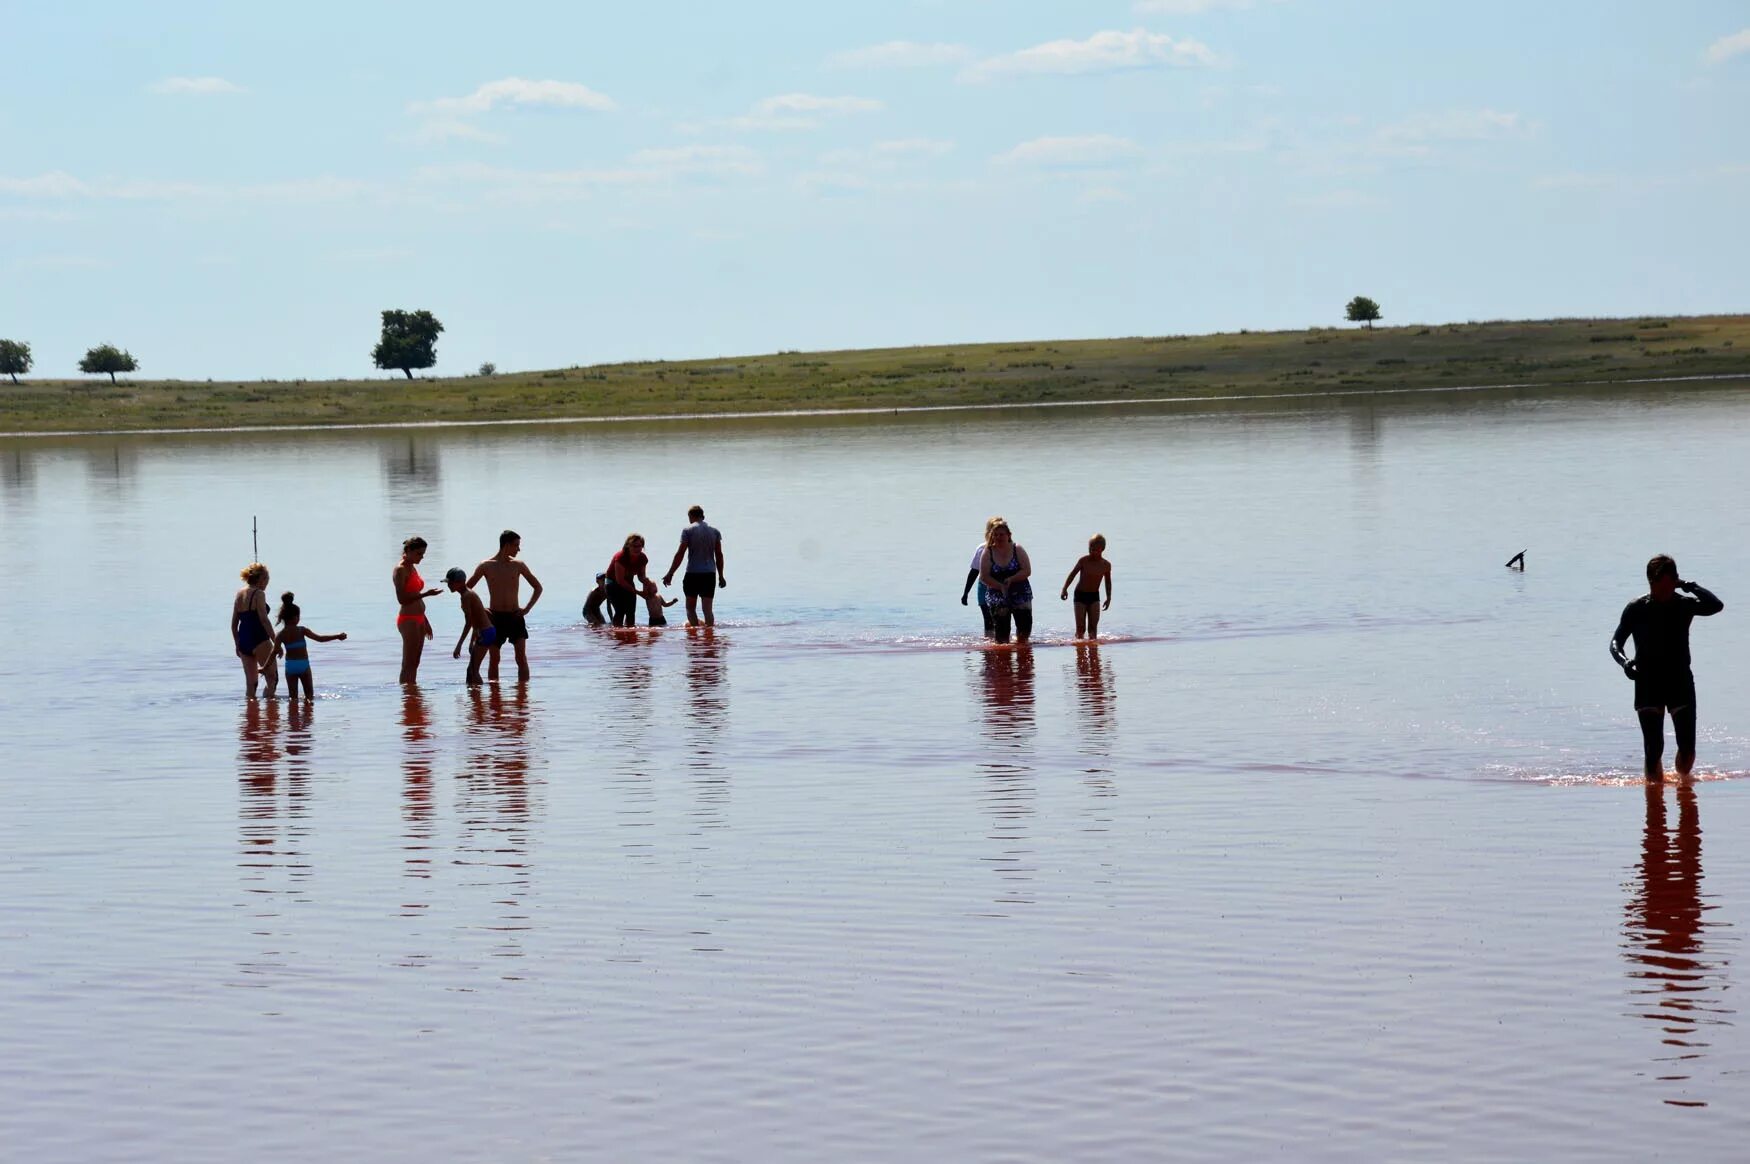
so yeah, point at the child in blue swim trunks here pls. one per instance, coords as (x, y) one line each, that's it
(476, 621)
(293, 642)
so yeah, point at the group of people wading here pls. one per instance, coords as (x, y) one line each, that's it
(489, 624)
(1658, 622)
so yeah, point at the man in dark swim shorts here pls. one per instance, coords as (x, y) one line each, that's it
(702, 547)
(1659, 624)
(504, 575)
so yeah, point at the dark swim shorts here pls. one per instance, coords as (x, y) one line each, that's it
(1087, 597)
(1667, 690)
(510, 626)
(698, 584)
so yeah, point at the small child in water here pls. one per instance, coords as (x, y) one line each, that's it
(654, 603)
(293, 641)
(476, 621)
(1093, 569)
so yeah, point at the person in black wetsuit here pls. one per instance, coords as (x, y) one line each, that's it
(1659, 624)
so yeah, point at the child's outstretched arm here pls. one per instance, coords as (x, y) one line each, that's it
(308, 633)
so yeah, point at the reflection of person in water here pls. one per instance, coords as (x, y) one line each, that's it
(1659, 624)
(1665, 928)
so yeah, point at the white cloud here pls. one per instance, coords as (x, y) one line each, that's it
(63, 186)
(1103, 52)
(651, 167)
(515, 91)
(1416, 135)
(1093, 150)
(1185, 7)
(900, 54)
(1727, 47)
(452, 129)
(194, 87)
(799, 111)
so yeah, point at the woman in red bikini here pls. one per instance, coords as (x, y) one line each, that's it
(411, 593)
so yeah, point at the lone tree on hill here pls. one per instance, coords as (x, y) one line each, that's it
(409, 341)
(14, 358)
(1363, 310)
(108, 358)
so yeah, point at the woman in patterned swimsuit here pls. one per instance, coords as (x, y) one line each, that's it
(1007, 592)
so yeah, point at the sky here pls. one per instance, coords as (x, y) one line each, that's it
(237, 191)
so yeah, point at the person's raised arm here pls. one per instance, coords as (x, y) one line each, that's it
(1618, 639)
(668, 578)
(308, 633)
(534, 587)
(1710, 604)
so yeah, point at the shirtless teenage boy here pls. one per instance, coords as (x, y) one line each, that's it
(1094, 569)
(475, 622)
(504, 574)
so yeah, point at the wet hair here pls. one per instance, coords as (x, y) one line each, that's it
(1660, 565)
(990, 530)
(253, 573)
(696, 513)
(455, 574)
(1097, 540)
(413, 543)
(507, 537)
(288, 609)
(630, 538)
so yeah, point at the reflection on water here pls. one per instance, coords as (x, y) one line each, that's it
(625, 701)
(272, 831)
(412, 463)
(418, 749)
(1096, 701)
(707, 718)
(1677, 981)
(17, 471)
(496, 810)
(1004, 692)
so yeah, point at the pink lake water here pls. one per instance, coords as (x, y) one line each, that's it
(1334, 849)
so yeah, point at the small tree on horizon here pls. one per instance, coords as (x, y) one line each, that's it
(15, 358)
(108, 358)
(409, 341)
(1363, 310)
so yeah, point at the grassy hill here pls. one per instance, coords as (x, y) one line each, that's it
(1549, 352)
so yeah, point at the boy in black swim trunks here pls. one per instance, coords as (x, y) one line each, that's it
(1659, 624)
(504, 575)
(1094, 569)
(475, 621)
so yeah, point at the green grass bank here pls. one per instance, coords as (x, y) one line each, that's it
(1552, 352)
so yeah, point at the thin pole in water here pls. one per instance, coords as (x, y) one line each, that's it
(255, 538)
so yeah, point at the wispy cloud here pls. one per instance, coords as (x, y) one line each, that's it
(58, 185)
(194, 87)
(1185, 7)
(1419, 134)
(517, 92)
(799, 111)
(1101, 53)
(1100, 149)
(645, 168)
(900, 54)
(1727, 47)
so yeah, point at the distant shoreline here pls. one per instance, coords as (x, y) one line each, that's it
(826, 413)
(1161, 370)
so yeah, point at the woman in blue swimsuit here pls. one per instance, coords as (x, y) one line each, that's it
(252, 633)
(1007, 592)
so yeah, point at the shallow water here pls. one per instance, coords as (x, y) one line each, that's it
(1335, 846)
